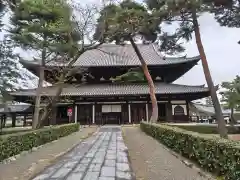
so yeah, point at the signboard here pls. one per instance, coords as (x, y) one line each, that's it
(69, 112)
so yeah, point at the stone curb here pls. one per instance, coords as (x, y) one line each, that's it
(23, 153)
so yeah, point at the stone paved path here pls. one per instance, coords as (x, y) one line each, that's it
(100, 157)
(29, 164)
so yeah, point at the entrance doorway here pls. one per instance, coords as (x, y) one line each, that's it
(111, 114)
(85, 114)
(138, 113)
(162, 111)
(111, 118)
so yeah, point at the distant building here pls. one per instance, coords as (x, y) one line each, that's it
(208, 101)
(14, 111)
(101, 101)
(203, 112)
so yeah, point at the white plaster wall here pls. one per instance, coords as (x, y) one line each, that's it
(183, 106)
(178, 102)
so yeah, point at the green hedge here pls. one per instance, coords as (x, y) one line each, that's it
(14, 144)
(205, 129)
(216, 155)
(4, 132)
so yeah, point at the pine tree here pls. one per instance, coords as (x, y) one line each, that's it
(9, 72)
(43, 26)
(124, 22)
(133, 75)
(231, 96)
(83, 26)
(186, 12)
(129, 19)
(227, 13)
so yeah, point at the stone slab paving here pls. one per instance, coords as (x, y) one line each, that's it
(103, 156)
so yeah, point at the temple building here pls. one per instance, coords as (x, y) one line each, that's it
(95, 99)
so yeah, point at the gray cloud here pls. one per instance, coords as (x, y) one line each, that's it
(222, 50)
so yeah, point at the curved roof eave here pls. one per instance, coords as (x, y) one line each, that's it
(171, 61)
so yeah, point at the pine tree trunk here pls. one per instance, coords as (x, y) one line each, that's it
(151, 86)
(36, 116)
(53, 104)
(49, 107)
(38, 98)
(219, 116)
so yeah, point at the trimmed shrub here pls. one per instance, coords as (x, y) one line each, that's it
(13, 144)
(4, 132)
(205, 129)
(216, 155)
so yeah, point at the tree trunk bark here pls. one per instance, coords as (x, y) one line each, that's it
(36, 116)
(38, 98)
(151, 86)
(219, 116)
(49, 107)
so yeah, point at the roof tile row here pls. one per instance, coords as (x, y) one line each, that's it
(113, 90)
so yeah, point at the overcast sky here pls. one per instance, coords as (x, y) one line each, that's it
(222, 50)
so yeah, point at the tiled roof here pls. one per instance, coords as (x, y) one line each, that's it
(117, 55)
(16, 108)
(113, 90)
(208, 109)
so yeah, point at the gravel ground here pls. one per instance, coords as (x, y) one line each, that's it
(151, 161)
(235, 137)
(25, 167)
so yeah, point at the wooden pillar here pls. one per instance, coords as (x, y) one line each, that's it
(147, 115)
(75, 114)
(129, 114)
(1, 123)
(93, 114)
(13, 120)
(53, 119)
(24, 120)
(188, 116)
(4, 120)
(169, 112)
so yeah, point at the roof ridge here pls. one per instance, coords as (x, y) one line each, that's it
(201, 86)
(158, 53)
